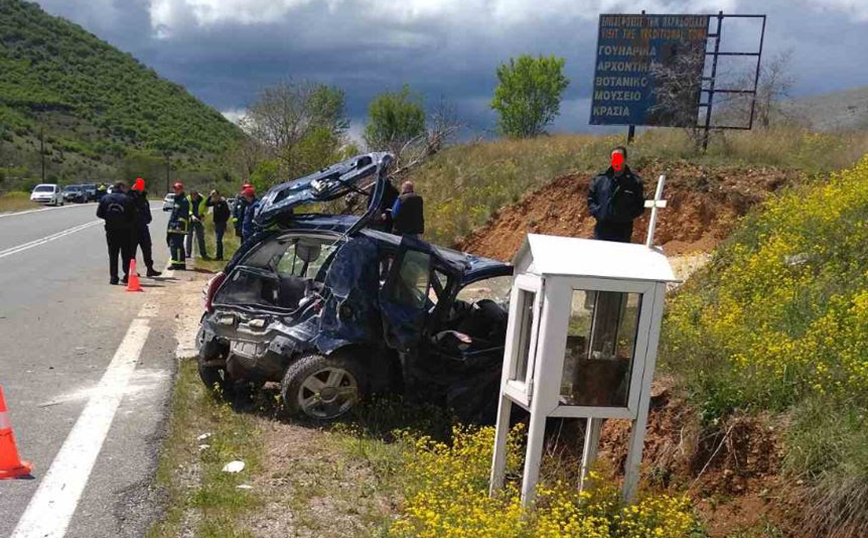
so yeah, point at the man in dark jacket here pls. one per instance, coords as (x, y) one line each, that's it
(615, 198)
(142, 237)
(408, 212)
(221, 215)
(119, 214)
(390, 194)
(177, 228)
(252, 204)
(239, 210)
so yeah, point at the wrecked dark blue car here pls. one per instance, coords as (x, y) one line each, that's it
(335, 310)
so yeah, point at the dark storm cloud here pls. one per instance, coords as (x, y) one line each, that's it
(225, 51)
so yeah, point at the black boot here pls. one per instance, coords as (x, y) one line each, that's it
(153, 272)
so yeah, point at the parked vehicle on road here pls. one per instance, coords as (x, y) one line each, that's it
(47, 193)
(90, 191)
(334, 310)
(169, 202)
(74, 194)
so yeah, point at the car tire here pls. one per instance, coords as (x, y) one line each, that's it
(214, 377)
(322, 387)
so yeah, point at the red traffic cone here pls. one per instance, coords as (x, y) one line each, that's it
(11, 465)
(133, 282)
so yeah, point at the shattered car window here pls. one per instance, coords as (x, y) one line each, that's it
(414, 278)
(496, 289)
(304, 257)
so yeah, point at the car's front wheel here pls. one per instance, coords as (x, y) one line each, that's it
(322, 387)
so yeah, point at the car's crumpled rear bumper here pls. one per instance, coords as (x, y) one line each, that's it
(256, 355)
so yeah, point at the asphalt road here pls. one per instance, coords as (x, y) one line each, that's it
(62, 329)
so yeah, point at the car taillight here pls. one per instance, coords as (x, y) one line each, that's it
(211, 290)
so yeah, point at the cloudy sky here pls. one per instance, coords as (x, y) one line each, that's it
(224, 51)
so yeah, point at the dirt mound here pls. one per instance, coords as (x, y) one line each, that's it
(731, 471)
(704, 205)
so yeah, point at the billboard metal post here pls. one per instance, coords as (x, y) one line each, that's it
(716, 53)
(712, 90)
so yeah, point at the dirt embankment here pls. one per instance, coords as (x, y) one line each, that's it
(732, 472)
(704, 204)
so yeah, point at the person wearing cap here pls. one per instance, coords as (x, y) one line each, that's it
(119, 214)
(177, 228)
(615, 198)
(238, 211)
(252, 204)
(142, 235)
(221, 215)
(198, 212)
(408, 212)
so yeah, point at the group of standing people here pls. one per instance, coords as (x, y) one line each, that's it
(127, 214)
(188, 220)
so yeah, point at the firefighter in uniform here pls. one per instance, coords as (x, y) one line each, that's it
(177, 229)
(239, 210)
(198, 211)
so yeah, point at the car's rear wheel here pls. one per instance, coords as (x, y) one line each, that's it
(214, 377)
(322, 387)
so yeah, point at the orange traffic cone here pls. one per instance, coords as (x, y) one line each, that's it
(133, 282)
(10, 465)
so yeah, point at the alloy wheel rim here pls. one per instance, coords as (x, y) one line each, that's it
(328, 393)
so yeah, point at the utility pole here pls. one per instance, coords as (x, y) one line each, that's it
(42, 151)
(168, 165)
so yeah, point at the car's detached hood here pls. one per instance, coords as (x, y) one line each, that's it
(327, 184)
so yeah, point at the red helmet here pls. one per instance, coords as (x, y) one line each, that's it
(139, 185)
(178, 186)
(248, 190)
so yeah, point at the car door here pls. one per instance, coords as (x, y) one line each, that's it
(404, 298)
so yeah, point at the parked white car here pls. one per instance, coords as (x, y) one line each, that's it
(47, 193)
(169, 202)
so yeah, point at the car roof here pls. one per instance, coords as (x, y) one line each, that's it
(471, 266)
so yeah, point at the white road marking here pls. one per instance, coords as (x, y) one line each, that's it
(50, 510)
(26, 246)
(41, 209)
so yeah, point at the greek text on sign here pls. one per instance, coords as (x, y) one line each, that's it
(627, 48)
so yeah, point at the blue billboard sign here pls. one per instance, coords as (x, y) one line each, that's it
(627, 48)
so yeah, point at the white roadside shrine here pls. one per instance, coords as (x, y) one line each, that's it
(584, 324)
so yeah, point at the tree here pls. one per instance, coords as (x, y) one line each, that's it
(286, 114)
(528, 96)
(677, 87)
(394, 120)
(773, 87)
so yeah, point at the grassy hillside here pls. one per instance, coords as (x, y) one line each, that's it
(95, 104)
(465, 185)
(778, 322)
(841, 110)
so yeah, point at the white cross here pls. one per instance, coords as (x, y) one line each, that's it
(657, 203)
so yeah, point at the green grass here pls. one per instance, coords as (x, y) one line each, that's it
(778, 321)
(200, 497)
(16, 201)
(231, 242)
(466, 184)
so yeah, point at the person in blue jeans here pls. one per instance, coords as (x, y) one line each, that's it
(221, 214)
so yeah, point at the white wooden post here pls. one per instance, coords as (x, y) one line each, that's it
(657, 203)
(498, 464)
(637, 433)
(592, 445)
